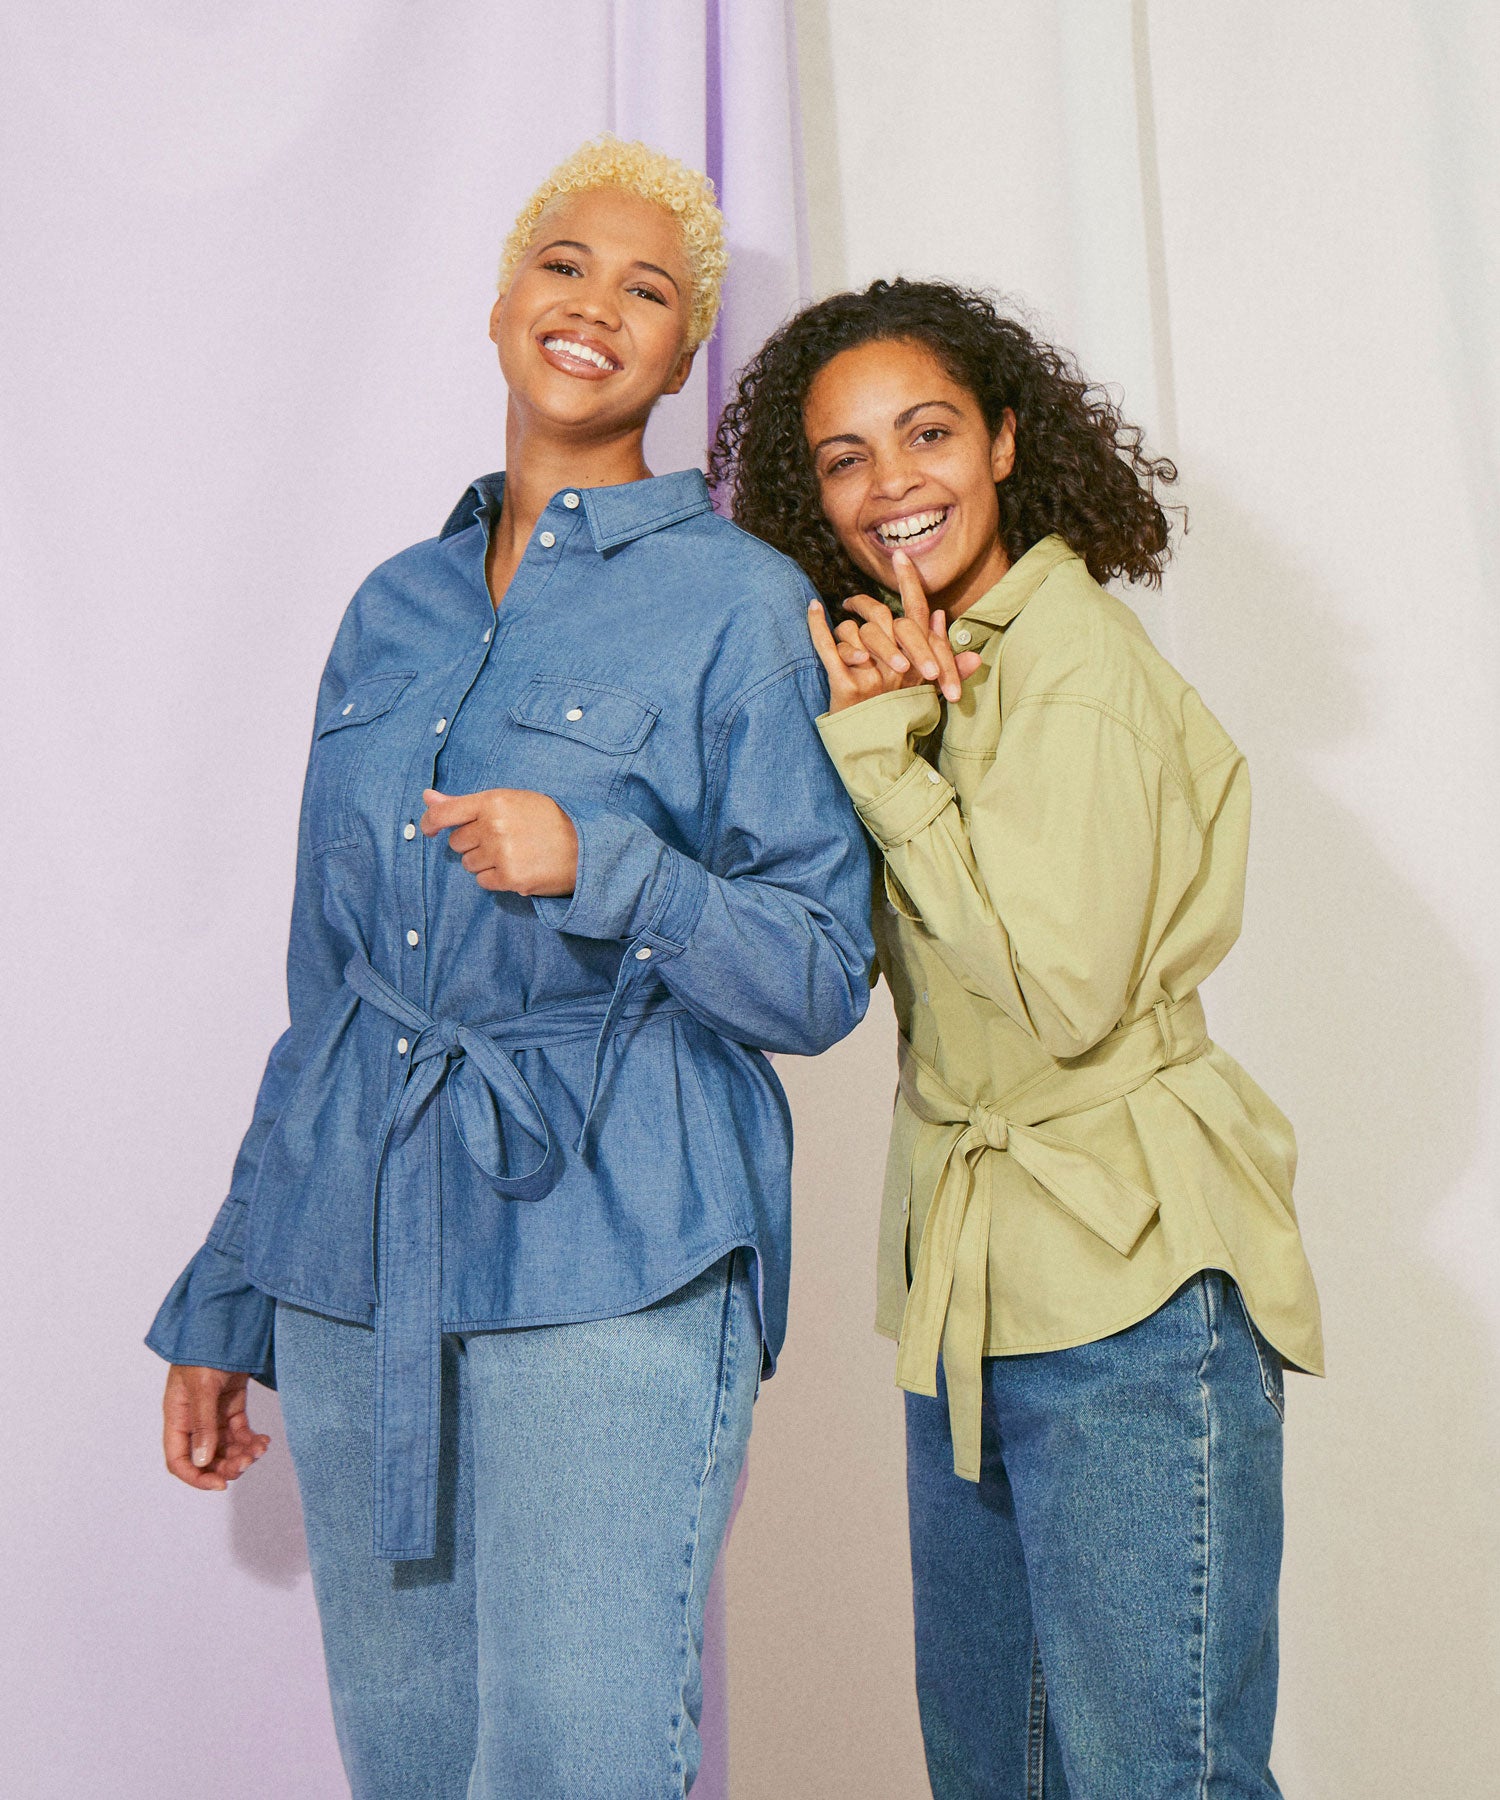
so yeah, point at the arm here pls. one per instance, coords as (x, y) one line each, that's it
(766, 938)
(213, 1318)
(1042, 898)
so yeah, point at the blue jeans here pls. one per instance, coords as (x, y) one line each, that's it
(552, 1647)
(1096, 1618)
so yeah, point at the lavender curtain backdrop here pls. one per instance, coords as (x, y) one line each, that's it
(249, 257)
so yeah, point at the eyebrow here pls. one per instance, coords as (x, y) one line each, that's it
(901, 419)
(588, 250)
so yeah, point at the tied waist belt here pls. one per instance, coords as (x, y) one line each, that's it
(948, 1306)
(484, 1088)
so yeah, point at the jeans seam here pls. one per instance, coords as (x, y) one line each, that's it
(1036, 1728)
(1211, 1320)
(721, 1401)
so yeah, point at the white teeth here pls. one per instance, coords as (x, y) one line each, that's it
(579, 352)
(915, 525)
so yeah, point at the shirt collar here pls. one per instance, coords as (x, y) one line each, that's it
(615, 514)
(1000, 605)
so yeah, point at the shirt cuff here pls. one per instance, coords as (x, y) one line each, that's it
(629, 884)
(215, 1318)
(874, 743)
(873, 746)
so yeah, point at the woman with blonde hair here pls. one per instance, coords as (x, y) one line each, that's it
(509, 1228)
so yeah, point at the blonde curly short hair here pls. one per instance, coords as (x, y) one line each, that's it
(611, 162)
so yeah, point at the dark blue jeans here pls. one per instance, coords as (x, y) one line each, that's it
(1096, 1618)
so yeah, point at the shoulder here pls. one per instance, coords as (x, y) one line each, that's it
(1076, 642)
(750, 598)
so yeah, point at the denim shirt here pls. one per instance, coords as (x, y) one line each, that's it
(491, 1111)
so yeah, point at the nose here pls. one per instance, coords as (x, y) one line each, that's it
(594, 304)
(895, 477)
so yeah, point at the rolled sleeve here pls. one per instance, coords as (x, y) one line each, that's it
(629, 884)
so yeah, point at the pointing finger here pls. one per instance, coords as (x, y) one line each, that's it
(913, 594)
(446, 810)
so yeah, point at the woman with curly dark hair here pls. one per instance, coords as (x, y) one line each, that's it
(1087, 1217)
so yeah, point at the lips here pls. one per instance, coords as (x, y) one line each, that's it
(578, 356)
(912, 532)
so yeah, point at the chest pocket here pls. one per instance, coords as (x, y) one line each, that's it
(342, 742)
(577, 738)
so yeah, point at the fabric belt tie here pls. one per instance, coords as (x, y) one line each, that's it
(484, 1087)
(947, 1308)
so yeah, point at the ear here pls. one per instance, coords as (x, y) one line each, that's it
(495, 312)
(1003, 449)
(678, 378)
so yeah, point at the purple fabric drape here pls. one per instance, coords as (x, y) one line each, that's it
(250, 253)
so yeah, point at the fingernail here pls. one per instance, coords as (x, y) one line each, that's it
(202, 1456)
(900, 663)
(929, 671)
(953, 693)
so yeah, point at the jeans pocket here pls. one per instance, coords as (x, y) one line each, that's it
(1272, 1373)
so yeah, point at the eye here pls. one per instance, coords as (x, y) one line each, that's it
(931, 434)
(560, 266)
(840, 463)
(646, 292)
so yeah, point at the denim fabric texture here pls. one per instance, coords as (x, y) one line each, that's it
(551, 1649)
(491, 1111)
(1097, 1618)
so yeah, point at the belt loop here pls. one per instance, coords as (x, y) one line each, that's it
(1163, 1011)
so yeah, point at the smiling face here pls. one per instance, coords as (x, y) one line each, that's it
(905, 461)
(592, 327)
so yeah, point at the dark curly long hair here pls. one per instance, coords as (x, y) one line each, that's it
(1080, 471)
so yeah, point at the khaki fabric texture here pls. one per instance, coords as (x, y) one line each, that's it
(1064, 862)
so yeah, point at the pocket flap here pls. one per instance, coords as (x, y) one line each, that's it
(362, 701)
(605, 718)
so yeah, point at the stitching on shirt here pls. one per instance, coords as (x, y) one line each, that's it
(1143, 738)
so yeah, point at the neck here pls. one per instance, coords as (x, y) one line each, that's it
(975, 582)
(540, 458)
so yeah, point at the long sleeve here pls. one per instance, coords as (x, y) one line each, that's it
(1046, 893)
(766, 938)
(213, 1316)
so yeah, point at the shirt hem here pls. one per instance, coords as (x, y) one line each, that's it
(1075, 1342)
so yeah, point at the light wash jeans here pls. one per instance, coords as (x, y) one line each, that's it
(1096, 1619)
(551, 1650)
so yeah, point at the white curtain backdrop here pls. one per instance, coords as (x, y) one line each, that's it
(1277, 228)
(249, 256)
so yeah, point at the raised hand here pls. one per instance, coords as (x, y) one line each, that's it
(885, 652)
(206, 1435)
(511, 841)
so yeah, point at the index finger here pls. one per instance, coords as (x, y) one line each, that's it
(446, 810)
(913, 594)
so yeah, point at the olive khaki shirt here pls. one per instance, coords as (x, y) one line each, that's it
(1064, 862)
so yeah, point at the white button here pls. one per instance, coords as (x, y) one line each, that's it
(440, 727)
(487, 636)
(348, 709)
(962, 635)
(408, 831)
(926, 998)
(570, 501)
(643, 954)
(932, 775)
(402, 1046)
(575, 712)
(546, 540)
(413, 939)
